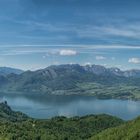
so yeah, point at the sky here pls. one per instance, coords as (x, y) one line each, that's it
(37, 33)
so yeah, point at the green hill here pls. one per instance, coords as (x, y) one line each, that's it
(6, 114)
(127, 131)
(18, 126)
(58, 128)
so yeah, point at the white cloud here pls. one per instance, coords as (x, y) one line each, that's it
(88, 63)
(67, 52)
(134, 60)
(100, 58)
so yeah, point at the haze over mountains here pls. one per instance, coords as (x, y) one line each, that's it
(7, 70)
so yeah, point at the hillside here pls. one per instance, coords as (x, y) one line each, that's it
(127, 131)
(6, 114)
(92, 80)
(58, 128)
(17, 126)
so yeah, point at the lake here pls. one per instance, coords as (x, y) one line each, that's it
(49, 106)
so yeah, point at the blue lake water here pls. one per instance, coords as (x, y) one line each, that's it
(47, 107)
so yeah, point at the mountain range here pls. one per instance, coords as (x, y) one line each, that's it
(69, 79)
(95, 69)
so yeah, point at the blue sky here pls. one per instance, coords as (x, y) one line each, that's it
(38, 33)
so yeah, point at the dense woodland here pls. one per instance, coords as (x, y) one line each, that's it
(18, 126)
(127, 131)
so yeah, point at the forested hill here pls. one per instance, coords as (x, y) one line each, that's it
(7, 114)
(58, 128)
(127, 131)
(17, 126)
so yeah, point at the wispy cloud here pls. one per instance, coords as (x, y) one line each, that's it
(109, 31)
(100, 58)
(88, 46)
(134, 60)
(67, 52)
(62, 49)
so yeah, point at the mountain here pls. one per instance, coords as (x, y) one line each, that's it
(101, 70)
(57, 128)
(132, 73)
(7, 70)
(54, 78)
(74, 79)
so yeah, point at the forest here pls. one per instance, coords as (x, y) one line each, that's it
(18, 126)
